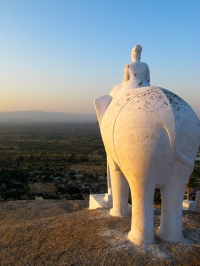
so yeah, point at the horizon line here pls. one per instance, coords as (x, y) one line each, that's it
(45, 112)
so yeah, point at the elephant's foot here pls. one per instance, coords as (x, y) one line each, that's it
(140, 239)
(166, 235)
(120, 213)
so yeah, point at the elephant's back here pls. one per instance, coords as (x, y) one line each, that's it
(145, 119)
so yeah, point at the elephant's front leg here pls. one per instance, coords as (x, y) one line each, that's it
(142, 213)
(120, 192)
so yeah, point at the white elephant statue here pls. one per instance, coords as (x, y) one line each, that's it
(151, 137)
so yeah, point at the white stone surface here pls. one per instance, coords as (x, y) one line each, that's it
(188, 205)
(197, 202)
(136, 74)
(108, 197)
(120, 192)
(151, 138)
(101, 105)
(98, 201)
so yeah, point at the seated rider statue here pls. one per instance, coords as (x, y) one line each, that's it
(136, 74)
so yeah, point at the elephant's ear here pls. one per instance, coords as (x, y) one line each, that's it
(101, 104)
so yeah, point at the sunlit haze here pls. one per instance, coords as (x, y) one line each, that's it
(60, 55)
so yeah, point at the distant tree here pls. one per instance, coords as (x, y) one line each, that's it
(46, 178)
(26, 188)
(73, 190)
(193, 182)
(21, 158)
(61, 190)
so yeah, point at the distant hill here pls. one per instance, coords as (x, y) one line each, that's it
(45, 117)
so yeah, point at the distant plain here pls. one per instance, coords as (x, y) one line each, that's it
(50, 146)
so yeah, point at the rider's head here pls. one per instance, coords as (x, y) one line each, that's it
(136, 52)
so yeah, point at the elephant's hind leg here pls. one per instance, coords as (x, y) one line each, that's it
(142, 214)
(172, 197)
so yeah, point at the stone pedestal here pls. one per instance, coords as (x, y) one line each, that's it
(197, 202)
(108, 197)
(188, 205)
(98, 201)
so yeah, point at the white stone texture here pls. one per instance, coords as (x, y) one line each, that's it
(108, 197)
(98, 201)
(136, 74)
(197, 202)
(101, 105)
(188, 205)
(151, 137)
(120, 192)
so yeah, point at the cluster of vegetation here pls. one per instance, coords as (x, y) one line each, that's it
(50, 146)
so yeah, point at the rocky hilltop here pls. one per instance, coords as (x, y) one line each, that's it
(55, 232)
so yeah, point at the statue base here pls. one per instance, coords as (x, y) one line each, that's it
(108, 197)
(99, 201)
(188, 205)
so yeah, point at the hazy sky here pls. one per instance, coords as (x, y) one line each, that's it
(60, 55)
